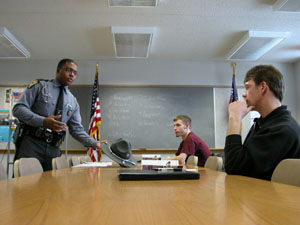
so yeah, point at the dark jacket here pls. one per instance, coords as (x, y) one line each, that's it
(270, 140)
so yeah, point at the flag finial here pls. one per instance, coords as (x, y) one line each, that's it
(96, 74)
(233, 65)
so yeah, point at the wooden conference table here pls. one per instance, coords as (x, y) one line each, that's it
(96, 196)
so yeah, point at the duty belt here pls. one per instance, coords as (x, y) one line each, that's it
(45, 134)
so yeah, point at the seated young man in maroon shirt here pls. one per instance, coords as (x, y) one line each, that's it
(191, 144)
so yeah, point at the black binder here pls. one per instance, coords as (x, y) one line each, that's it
(157, 175)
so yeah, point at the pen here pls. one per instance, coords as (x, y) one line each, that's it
(168, 169)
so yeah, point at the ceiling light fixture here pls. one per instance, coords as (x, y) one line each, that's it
(132, 42)
(10, 47)
(287, 6)
(255, 44)
(133, 3)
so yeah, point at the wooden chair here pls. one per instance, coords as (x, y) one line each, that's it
(3, 174)
(192, 160)
(59, 163)
(214, 163)
(27, 166)
(287, 172)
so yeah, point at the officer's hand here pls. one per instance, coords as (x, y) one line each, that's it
(104, 141)
(101, 142)
(51, 123)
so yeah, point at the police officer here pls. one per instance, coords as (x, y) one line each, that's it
(42, 123)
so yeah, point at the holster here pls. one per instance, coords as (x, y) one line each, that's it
(55, 138)
(18, 134)
(51, 137)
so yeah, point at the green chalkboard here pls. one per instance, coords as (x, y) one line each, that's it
(144, 115)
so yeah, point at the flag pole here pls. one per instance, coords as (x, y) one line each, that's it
(233, 65)
(234, 95)
(95, 120)
(97, 75)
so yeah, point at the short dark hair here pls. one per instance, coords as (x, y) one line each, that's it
(63, 62)
(185, 119)
(271, 75)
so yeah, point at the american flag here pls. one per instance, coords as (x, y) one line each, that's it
(95, 121)
(234, 93)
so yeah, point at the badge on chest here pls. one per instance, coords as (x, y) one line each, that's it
(69, 112)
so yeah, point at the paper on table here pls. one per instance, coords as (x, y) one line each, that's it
(93, 164)
(152, 164)
(160, 162)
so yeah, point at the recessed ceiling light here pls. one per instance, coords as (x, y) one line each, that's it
(255, 44)
(10, 47)
(132, 42)
(287, 6)
(133, 3)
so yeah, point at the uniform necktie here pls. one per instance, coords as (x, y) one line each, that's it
(60, 101)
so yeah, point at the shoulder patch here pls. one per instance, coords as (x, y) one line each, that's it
(34, 83)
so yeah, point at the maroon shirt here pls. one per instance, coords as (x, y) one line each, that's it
(194, 145)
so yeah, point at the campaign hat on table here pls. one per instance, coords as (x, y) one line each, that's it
(120, 152)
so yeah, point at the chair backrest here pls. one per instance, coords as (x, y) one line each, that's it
(214, 163)
(59, 163)
(85, 158)
(287, 172)
(88, 159)
(27, 166)
(74, 160)
(192, 160)
(82, 159)
(3, 174)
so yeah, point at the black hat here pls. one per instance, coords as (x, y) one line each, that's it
(120, 152)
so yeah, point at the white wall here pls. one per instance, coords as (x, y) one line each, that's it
(297, 85)
(148, 72)
(213, 73)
